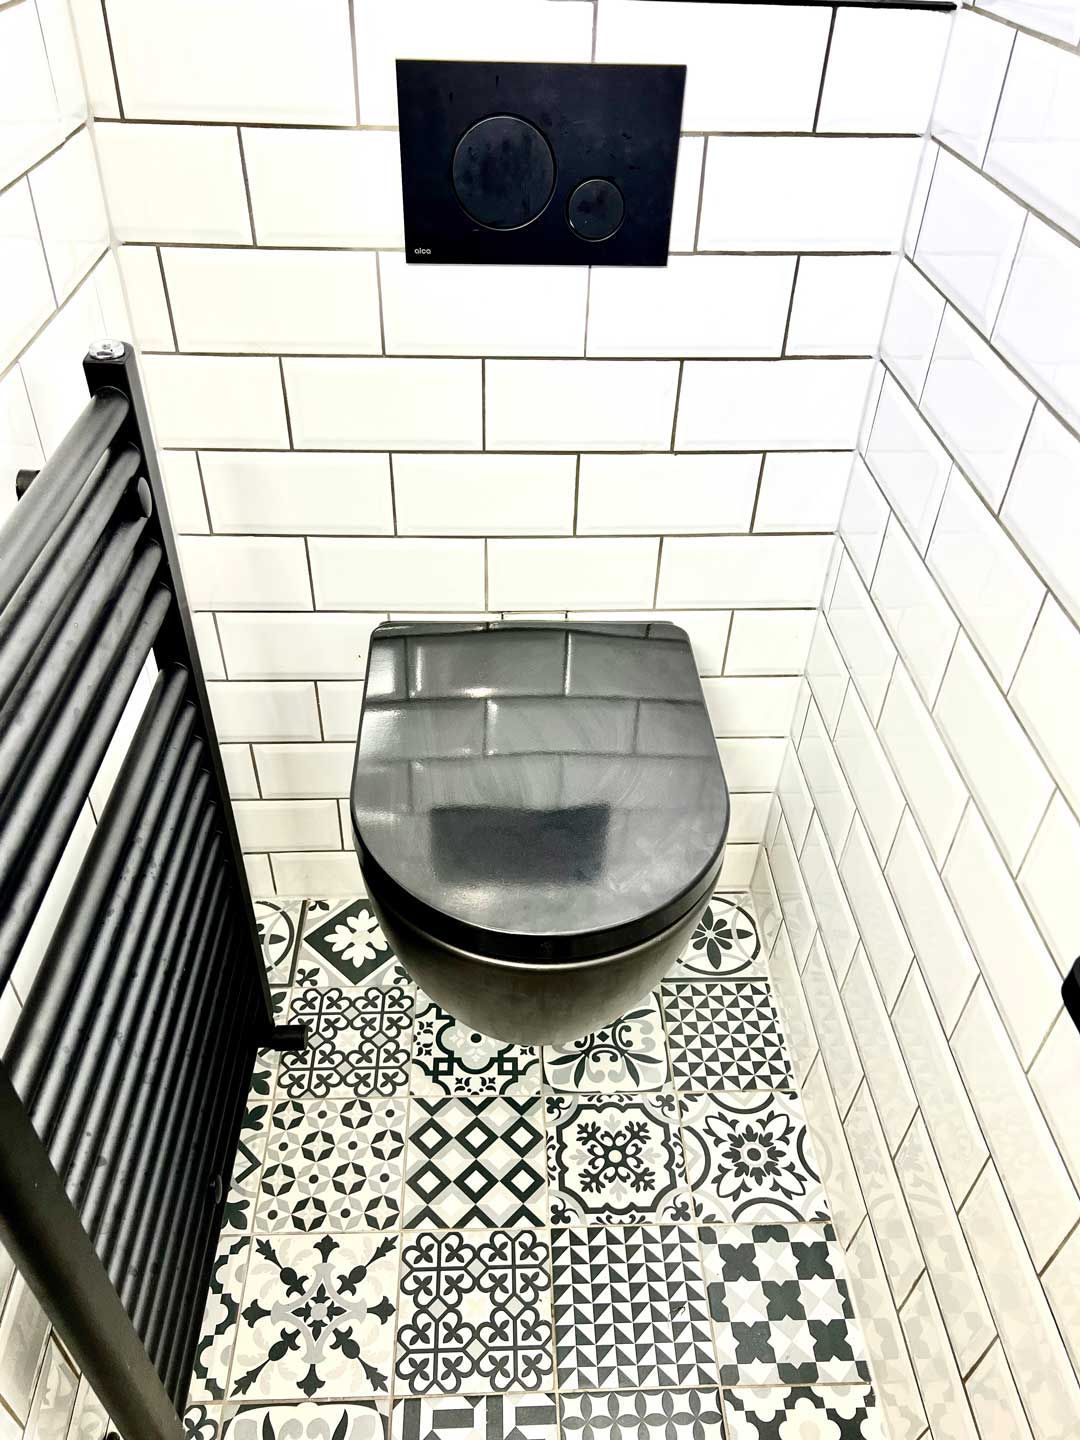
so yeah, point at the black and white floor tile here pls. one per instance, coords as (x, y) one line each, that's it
(630, 1308)
(642, 1415)
(475, 1312)
(359, 1041)
(475, 1162)
(825, 1412)
(476, 1417)
(749, 1158)
(333, 1165)
(780, 1306)
(278, 924)
(343, 944)
(725, 946)
(450, 1058)
(725, 1035)
(317, 1317)
(332, 1420)
(217, 1336)
(615, 1159)
(250, 1151)
(628, 1055)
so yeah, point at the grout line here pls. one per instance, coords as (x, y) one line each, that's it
(247, 185)
(483, 404)
(112, 61)
(791, 306)
(675, 410)
(393, 494)
(168, 299)
(577, 493)
(285, 402)
(997, 105)
(355, 66)
(656, 582)
(757, 499)
(202, 487)
(378, 290)
(701, 193)
(592, 360)
(824, 69)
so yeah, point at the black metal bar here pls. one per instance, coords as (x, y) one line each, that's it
(39, 523)
(42, 1234)
(65, 765)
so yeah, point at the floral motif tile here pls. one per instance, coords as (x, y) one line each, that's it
(725, 1035)
(475, 1312)
(278, 924)
(217, 1334)
(475, 1162)
(250, 1149)
(780, 1307)
(749, 1157)
(615, 1158)
(476, 1417)
(329, 1420)
(726, 944)
(317, 1317)
(343, 944)
(833, 1412)
(333, 1165)
(629, 1054)
(449, 1058)
(630, 1308)
(359, 1042)
(642, 1415)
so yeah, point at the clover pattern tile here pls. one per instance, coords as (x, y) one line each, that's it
(475, 1312)
(642, 1415)
(476, 1417)
(781, 1309)
(833, 1412)
(217, 1334)
(333, 1165)
(749, 1158)
(278, 924)
(615, 1158)
(343, 944)
(629, 1054)
(726, 944)
(725, 1036)
(317, 1317)
(450, 1058)
(330, 1420)
(475, 1162)
(359, 1041)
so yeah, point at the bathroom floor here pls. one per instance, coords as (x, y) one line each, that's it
(435, 1231)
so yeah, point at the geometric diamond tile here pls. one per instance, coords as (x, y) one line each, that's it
(475, 1162)
(724, 1035)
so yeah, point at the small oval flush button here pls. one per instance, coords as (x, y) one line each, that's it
(595, 209)
(504, 172)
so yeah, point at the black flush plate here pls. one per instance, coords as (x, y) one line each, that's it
(538, 164)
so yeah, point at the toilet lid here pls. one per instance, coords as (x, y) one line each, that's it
(543, 791)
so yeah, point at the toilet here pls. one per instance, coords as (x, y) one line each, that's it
(540, 815)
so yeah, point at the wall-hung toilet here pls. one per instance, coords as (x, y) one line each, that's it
(540, 814)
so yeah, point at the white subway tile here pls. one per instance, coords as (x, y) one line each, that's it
(585, 574)
(307, 771)
(911, 327)
(485, 494)
(747, 825)
(835, 1040)
(325, 187)
(839, 303)
(707, 631)
(751, 764)
(895, 1384)
(924, 176)
(879, 924)
(971, 82)
(270, 711)
(397, 574)
(174, 182)
(803, 698)
(795, 799)
(27, 294)
(1039, 325)
(684, 208)
(990, 584)
(198, 400)
(1050, 17)
(20, 448)
(269, 825)
(327, 872)
(1062, 1283)
(1042, 505)
(873, 395)
(802, 492)
(1014, 961)
(294, 494)
(791, 889)
(805, 193)
(1053, 1077)
(885, 1202)
(1047, 879)
(939, 1379)
(834, 1160)
(665, 494)
(863, 639)
(277, 301)
(826, 779)
(863, 519)
(70, 210)
(1046, 695)
(296, 647)
(105, 278)
(798, 1030)
(769, 642)
(183, 492)
(878, 1050)
(260, 877)
(968, 238)
(836, 923)
(382, 404)
(208, 646)
(740, 571)
(580, 404)
(696, 305)
(33, 122)
(977, 405)
(1035, 147)
(993, 1397)
(233, 572)
(145, 295)
(882, 70)
(826, 673)
(339, 707)
(757, 705)
(63, 55)
(770, 404)
(918, 617)
(926, 772)
(88, 19)
(766, 907)
(737, 867)
(239, 772)
(909, 463)
(52, 366)
(879, 797)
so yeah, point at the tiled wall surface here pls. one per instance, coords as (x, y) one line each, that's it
(922, 858)
(347, 437)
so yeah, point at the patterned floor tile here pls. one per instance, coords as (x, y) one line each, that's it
(628, 1055)
(451, 1059)
(726, 944)
(333, 1165)
(250, 1151)
(218, 1332)
(840, 1412)
(780, 1306)
(278, 924)
(317, 1316)
(359, 1042)
(478, 1417)
(642, 1415)
(330, 1420)
(630, 1308)
(725, 1036)
(342, 944)
(475, 1312)
(615, 1158)
(749, 1157)
(475, 1162)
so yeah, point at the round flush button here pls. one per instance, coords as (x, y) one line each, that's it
(503, 172)
(595, 210)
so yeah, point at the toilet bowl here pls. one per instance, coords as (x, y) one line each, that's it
(540, 815)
